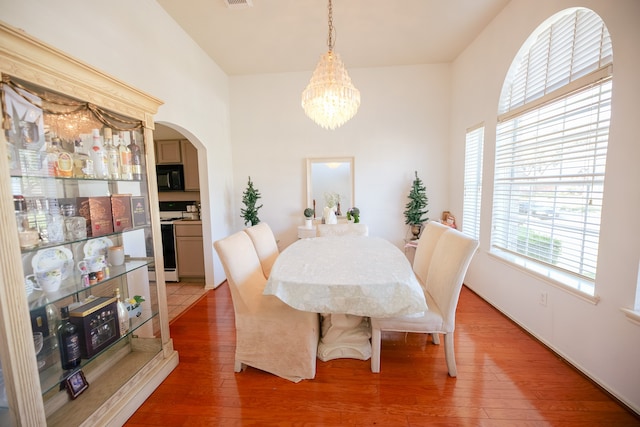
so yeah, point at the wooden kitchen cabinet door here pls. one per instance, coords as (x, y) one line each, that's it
(168, 151)
(190, 162)
(190, 256)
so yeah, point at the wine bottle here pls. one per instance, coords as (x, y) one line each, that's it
(113, 155)
(136, 157)
(99, 156)
(123, 316)
(82, 163)
(125, 158)
(68, 341)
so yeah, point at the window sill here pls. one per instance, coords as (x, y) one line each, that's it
(576, 286)
(632, 315)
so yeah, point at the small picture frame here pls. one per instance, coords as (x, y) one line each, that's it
(76, 383)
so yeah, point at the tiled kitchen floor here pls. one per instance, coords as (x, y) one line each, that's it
(182, 295)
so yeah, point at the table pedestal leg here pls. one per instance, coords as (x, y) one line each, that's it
(344, 336)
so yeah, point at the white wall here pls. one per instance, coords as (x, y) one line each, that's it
(596, 338)
(402, 126)
(139, 44)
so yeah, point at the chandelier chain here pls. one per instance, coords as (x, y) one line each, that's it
(330, 40)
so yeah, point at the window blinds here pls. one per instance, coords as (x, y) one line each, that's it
(474, 147)
(551, 147)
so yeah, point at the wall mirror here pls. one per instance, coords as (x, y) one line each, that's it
(330, 175)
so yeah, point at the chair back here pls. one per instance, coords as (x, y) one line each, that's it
(265, 245)
(343, 229)
(424, 251)
(243, 270)
(451, 258)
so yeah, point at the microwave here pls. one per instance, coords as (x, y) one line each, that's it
(170, 177)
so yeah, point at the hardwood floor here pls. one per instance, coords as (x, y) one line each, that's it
(505, 378)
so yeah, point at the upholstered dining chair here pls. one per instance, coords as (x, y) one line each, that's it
(342, 229)
(270, 335)
(266, 246)
(424, 252)
(449, 263)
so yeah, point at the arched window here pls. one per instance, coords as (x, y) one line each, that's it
(551, 148)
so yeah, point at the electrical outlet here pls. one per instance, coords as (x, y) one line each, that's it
(543, 299)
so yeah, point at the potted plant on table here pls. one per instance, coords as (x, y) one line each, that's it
(308, 217)
(134, 306)
(416, 207)
(353, 214)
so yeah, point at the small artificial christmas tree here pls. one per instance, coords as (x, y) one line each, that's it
(418, 201)
(249, 198)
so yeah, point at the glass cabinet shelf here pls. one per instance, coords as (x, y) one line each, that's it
(41, 246)
(26, 175)
(72, 286)
(52, 376)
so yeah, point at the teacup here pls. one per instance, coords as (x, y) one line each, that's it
(95, 264)
(47, 281)
(116, 255)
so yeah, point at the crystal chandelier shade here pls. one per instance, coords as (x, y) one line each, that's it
(330, 99)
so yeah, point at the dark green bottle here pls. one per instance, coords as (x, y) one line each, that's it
(69, 341)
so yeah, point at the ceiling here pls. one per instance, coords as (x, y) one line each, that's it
(276, 36)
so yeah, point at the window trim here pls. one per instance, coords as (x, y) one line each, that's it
(542, 272)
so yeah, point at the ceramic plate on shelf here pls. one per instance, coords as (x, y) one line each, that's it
(97, 247)
(48, 259)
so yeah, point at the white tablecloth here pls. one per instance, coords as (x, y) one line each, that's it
(364, 276)
(345, 278)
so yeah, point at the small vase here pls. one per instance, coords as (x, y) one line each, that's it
(330, 216)
(308, 223)
(134, 310)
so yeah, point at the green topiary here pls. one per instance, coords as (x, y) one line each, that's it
(418, 201)
(249, 198)
(353, 213)
(308, 213)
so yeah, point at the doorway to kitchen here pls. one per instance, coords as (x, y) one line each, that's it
(185, 274)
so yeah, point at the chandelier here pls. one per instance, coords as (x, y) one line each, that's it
(330, 99)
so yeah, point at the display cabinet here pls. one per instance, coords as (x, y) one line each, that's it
(80, 228)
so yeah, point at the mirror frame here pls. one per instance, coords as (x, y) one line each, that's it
(322, 160)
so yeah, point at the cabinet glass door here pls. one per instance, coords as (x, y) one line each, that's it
(81, 203)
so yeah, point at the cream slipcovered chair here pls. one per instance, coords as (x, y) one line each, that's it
(266, 246)
(270, 335)
(448, 266)
(344, 229)
(424, 252)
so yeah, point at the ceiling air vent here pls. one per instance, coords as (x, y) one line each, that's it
(238, 4)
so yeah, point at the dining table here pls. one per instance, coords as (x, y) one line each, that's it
(347, 279)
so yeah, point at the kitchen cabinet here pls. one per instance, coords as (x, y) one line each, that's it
(190, 163)
(168, 151)
(45, 103)
(189, 249)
